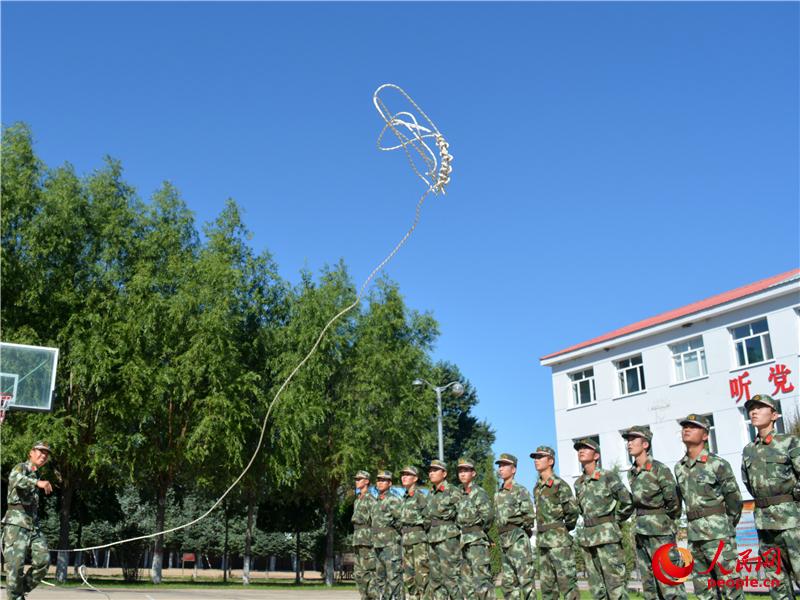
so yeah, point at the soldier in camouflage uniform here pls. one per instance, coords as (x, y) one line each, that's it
(414, 523)
(556, 516)
(364, 568)
(515, 517)
(655, 499)
(386, 540)
(443, 536)
(771, 473)
(21, 530)
(475, 517)
(604, 503)
(707, 486)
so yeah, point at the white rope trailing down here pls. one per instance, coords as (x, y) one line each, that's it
(411, 137)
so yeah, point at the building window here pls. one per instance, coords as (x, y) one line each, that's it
(780, 426)
(689, 358)
(752, 342)
(712, 433)
(583, 391)
(630, 373)
(596, 440)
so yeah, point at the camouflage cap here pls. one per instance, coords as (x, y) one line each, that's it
(640, 431)
(437, 464)
(694, 419)
(506, 459)
(587, 443)
(409, 470)
(362, 475)
(384, 475)
(761, 399)
(466, 463)
(543, 451)
(41, 445)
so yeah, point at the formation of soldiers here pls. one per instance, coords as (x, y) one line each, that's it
(436, 547)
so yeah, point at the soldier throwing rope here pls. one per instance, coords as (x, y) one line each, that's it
(21, 524)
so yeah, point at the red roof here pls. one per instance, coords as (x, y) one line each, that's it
(689, 309)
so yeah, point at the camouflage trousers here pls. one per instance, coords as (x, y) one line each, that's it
(476, 571)
(16, 541)
(416, 571)
(445, 565)
(704, 552)
(605, 564)
(557, 573)
(652, 588)
(388, 573)
(364, 572)
(788, 542)
(519, 568)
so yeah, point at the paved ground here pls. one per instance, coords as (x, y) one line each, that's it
(48, 593)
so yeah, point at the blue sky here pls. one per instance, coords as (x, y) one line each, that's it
(612, 160)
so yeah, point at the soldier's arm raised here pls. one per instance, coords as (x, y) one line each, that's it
(624, 501)
(569, 505)
(669, 489)
(730, 491)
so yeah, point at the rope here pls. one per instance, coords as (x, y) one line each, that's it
(417, 142)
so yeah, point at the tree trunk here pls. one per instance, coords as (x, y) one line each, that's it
(248, 540)
(67, 490)
(225, 549)
(158, 550)
(297, 558)
(329, 543)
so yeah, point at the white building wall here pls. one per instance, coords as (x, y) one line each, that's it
(665, 401)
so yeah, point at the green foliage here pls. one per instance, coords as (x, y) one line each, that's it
(173, 345)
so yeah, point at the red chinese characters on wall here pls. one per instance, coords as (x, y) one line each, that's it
(778, 376)
(740, 386)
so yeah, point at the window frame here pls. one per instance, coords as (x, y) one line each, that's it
(766, 357)
(622, 375)
(702, 359)
(574, 387)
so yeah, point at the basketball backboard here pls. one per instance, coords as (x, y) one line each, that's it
(27, 376)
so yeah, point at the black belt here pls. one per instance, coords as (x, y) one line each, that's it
(411, 529)
(651, 511)
(599, 520)
(437, 522)
(541, 528)
(507, 528)
(472, 529)
(693, 515)
(773, 500)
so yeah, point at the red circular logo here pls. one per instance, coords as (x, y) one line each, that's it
(667, 572)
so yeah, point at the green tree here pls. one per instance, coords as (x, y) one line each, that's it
(66, 244)
(352, 405)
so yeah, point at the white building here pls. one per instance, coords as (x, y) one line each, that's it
(705, 358)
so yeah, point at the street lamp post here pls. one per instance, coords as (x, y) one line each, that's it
(458, 389)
